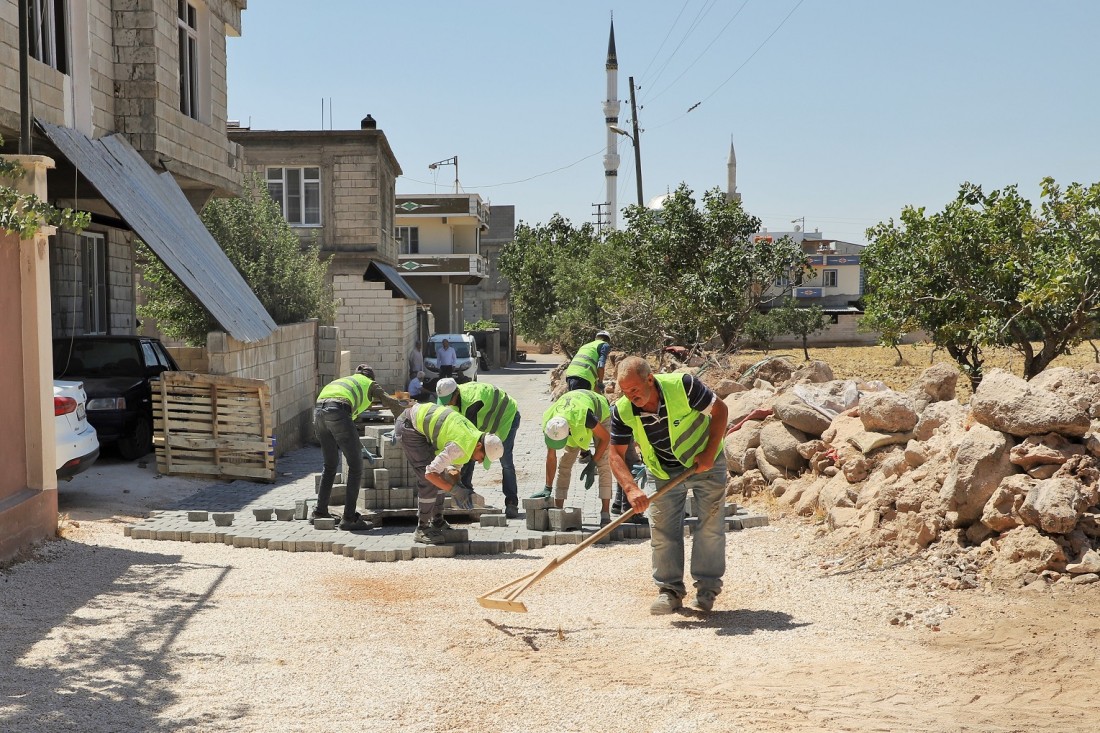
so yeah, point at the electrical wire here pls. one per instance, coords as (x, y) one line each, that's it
(691, 28)
(642, 76)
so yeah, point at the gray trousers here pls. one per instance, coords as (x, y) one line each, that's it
(419, 452)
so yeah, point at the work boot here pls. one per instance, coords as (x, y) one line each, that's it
(619, 504)
(704, 599)
(441, 523)
(355, 524)
(511, 511)
(429, 535)
(667, 602)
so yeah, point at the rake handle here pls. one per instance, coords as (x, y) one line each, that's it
(555, 562)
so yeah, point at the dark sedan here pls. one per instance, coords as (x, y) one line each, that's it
(116, 371)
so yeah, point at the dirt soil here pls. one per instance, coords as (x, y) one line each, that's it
(101, 633)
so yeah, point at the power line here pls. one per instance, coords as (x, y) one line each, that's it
(694, 24)
(663, 41)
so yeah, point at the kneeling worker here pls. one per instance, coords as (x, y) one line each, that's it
(572, 422)
(339, 403)
(436, 439)
(491, 410)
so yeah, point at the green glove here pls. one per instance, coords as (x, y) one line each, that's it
(589, 475)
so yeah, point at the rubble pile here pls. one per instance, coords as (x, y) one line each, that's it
(1003, 490)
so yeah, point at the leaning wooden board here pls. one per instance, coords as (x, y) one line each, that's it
(213, 426)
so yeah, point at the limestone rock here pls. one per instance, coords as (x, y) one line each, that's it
(774, 370)
(887, 412)
(1002, 512)
(842, 428)
(812, 371)
(1053, 505)
(740, 404)
(740, 443)
(779, 443)
(766, 469)
(1089, 563)
(794, 411)
(1024, 550)
(980, 464)
(916, 531)
(726, 387)
(869, 441)
(940, 415)
(1037, 450)
(1007, 403)
(855, 469)
(935, 384)
(842, 517)
(1079, 388)
(915, 454)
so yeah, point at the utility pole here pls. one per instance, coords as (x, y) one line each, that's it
(637, 143)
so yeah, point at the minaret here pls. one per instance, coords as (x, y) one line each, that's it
(611, 117)
(731, 175)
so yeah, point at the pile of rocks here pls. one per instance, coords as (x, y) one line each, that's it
(1004, 489)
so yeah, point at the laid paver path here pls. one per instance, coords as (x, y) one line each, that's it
(527, 382)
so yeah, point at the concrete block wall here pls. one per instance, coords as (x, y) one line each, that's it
(286, 360)
(845, 332)
(375, 327)
(190, 358)
(328, 355)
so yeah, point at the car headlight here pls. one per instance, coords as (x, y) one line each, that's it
(107, 403)
(463, 365)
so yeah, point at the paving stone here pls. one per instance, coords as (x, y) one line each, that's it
(324, 524)
(198, 516)
(494, 520)
(753, 520)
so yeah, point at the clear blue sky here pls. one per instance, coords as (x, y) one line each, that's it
(850, 111)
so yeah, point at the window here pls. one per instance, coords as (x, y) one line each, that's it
(783, 281)
(93, 252)
(48, 32)
(187, 25)
(297, 191)
(408, 240)
(828, 278)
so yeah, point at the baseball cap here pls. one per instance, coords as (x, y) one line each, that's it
(494, 448)
(444, 388)
(557, 432)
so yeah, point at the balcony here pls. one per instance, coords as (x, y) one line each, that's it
(466, 269)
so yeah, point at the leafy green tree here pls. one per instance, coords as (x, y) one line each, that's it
(288, 279)
(760, 330)
(710, 270)
(990, 270)
(800, 321)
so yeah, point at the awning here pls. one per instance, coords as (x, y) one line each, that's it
(387, 273)
(157, 210)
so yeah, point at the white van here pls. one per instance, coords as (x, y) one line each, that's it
(466, 356)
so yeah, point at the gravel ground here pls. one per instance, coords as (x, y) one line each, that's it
(103, 633)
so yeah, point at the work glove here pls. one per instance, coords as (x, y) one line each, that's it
(589, 475)
(369, 457)
(584, 457)
(463, 496)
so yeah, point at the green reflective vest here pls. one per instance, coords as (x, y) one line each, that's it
(442, 425)
(687, 428)
(574, 406)
(498, 410)
(586, 362)
(355, 389)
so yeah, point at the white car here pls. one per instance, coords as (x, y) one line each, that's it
(466, 356)
(77, 443)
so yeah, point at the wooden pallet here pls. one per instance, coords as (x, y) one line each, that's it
(213, 426)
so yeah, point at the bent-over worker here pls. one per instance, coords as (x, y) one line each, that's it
(585, 370)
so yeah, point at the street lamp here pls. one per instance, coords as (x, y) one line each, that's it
(637, 156)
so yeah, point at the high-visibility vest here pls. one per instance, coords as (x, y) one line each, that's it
(442, 425)
(498, 410)
(574, 406)
(355, 389)
(688, 429)
(586, 362)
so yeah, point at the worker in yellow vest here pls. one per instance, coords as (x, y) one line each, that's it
(436, 440)
(492, 410)
(679, 425)
(585, 370)
(338, 404)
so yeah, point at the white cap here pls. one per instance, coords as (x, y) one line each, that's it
(603, 334)
(445, 386)
(494, 448)
(557, 432)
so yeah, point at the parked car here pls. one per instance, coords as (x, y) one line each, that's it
(116, 371)
(465, 353)
(77, 444)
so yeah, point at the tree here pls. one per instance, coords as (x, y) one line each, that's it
(760, 329)
(712, 273)
(288, 279)
(800, 321)
(990, 270)
(24, 213)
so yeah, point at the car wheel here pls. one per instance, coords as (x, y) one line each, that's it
(138, 443)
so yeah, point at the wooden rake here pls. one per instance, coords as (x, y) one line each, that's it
(508, 602)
